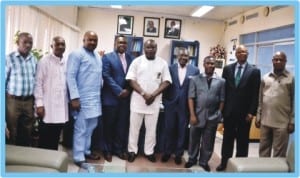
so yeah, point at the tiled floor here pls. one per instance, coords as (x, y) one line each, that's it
(141, 164)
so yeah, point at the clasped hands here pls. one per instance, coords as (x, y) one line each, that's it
(149, 98)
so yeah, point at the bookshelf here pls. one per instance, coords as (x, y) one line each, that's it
(192, 46)
(135, 45)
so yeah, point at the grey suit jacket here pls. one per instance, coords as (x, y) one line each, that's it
(207, 100)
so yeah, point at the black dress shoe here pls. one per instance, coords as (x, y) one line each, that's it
(107, 156)
(92, 156)
(221, 167)
(122, 155)
(79, 163)
(151, 158)
(205, 167)
(189, 164)
(165, 158)
(131, 156)
(178, 160)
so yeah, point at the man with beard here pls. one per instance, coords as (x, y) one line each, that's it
(115, 100)
(84, 79)
(149, 76)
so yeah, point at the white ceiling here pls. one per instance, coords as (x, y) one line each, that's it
(219, 13)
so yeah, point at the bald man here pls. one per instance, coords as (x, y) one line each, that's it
(50, 92)
(84, 79)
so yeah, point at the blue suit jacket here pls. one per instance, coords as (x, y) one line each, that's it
(114, 78)
(176, 95)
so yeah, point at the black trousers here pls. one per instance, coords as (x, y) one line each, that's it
(235, 128)
(49, 135)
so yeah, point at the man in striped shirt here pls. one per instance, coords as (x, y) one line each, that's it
(20, 71)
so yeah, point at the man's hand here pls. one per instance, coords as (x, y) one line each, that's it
(291, 128)
(149, 99)
(40, 111)
(257, 124)
(193, 120)
(75, 104)
(249, 117)
(124, 93)
(7, 134)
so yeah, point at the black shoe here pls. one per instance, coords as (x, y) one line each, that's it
(178, 160)
(151, 158)
(92, 156)
(107, 156)
(165, 158)
(131, 156)
(122, 155)
(189, 164)
(205, 167)
(79, 163)
(221, 167)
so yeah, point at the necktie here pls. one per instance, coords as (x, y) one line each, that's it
(123, 61)
(238, 76)
(209, 82)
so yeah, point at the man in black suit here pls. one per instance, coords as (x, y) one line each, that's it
(241, 101)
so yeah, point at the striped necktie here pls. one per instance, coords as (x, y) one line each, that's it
(238, 76)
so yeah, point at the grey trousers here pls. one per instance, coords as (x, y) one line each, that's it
(202, 139)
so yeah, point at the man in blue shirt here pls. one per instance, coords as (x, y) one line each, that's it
(84, 79)
(20, 72)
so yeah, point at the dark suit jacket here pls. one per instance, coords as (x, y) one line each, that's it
(176, 96)
(243, 99)
(113, 77)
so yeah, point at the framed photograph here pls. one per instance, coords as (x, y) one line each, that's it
(125, 24)
(172, 28)
(151, 26)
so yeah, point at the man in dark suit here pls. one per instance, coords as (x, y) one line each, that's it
(175, 101)
(115, 100)
(172, 30)
(241, 101)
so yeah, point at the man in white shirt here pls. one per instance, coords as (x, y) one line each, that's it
(50, 94)
(149, 76)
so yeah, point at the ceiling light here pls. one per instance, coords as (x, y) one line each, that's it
(202, 10)
(116, 6)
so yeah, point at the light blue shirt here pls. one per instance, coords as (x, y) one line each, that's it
(84, 79)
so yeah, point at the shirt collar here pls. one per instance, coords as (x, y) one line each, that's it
(243, 65)
(285, 73)
(181, 67)
(213, 76)
(17, 54)
(58, 59)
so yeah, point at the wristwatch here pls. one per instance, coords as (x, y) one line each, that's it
(142, 93)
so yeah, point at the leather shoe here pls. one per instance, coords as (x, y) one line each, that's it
(122, 155)
(92, 156)
(205, 167)
(221, 167)
(165, 158)
(189, 164)
(178, 160)
(79, 163)
(131, 156)
(151, 158)
(107, 157)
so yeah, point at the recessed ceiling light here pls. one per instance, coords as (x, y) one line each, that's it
(202, 10)
(116, 6)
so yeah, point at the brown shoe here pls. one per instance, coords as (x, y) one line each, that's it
(107, 157)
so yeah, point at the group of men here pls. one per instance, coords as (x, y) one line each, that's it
(124, 92)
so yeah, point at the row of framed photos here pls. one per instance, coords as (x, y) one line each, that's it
(151, 26)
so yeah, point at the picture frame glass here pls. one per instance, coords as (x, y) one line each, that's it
(151, 26)
(172, 28)
(125, 24)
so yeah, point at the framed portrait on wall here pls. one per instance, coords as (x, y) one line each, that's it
(125, 24)
(151, 26)
(172, 28)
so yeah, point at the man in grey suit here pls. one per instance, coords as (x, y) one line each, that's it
(175, 100)
(206, 101)
(241, 101)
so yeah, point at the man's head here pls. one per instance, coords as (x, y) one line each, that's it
(90, 40)
(24, 42)
(150, 24)
(183, 57)
(279, 62)
(58, 46)
(121, 44)
(150, 48)
(173, 23)
(209, 65)
(241, 54)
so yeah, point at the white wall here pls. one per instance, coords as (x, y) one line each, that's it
(280, 17)
(104, 23)
(67, 14)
